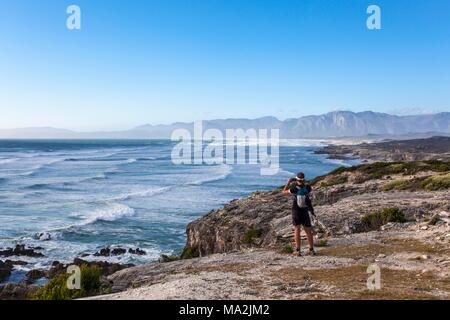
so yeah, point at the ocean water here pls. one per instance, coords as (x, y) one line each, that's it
(92, 194)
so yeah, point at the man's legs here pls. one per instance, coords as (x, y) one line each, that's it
(297, 237)
(309, 235)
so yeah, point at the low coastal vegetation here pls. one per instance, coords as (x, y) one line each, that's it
(432, 183)
(287, 249)
(334, 180)
(190, 252)
(57, 288)
(374, 220)
(251, 234)
(379, 170)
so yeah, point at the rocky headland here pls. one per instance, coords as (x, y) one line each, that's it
(392, 211)
(396, 150)
(394, 214)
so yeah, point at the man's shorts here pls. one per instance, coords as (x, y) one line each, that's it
(300, 216)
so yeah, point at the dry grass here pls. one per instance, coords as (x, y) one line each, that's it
(388, 246)
(413, 245)
(350, 283)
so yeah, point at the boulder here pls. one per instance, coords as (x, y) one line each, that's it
(118, 251)
(35, 274)
(137, 251)
(21, 250)
(105, 252)
(5, 270)
(43, 236)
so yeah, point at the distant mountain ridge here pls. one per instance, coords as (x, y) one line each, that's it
(335, 124)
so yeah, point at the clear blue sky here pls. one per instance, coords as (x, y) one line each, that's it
(160, 61)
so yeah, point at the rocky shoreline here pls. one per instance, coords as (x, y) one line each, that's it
(394, 213)
(397, 150)
(29, 284)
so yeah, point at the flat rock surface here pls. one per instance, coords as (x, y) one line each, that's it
(414, 264)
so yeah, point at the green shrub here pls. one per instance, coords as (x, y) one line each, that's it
(251, 234)
(339, 170)
(374, 220)
(57, 288)
(322, 243)
(395, 184)
(287, 249)
(441, 182)
(190, 252)
(439, 166)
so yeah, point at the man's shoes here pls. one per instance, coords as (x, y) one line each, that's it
(312, 252)
(297, 253)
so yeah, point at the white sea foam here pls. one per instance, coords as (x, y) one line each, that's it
(140, 193)
(112, 212)
(223, 173)
(6, 161)
(131, 160)
(109, 212)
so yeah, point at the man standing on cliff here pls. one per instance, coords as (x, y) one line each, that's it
(300, 208)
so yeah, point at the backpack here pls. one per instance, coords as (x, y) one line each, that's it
(302, 194)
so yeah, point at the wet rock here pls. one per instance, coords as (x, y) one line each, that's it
(55, 263)
(21, 250)
(118, 251)
(137, 251)
(43, 236)
(105, 252)
(35, 274)
(5, 270)
(56, 270)
(17, 262)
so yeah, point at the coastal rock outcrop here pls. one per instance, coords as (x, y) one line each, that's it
(342, 198)
(399, 150)
(107, 252)
(21, 250)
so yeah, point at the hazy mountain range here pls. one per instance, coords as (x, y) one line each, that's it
(331, 125)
